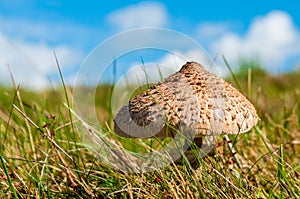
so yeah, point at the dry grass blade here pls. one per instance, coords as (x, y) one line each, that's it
(42, 132)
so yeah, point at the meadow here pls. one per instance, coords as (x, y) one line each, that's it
(42, 155)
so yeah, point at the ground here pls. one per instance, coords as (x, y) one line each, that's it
(49, 160)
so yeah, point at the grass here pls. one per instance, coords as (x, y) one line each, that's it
(49, 160)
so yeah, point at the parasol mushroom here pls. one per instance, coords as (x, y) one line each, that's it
(193, 98)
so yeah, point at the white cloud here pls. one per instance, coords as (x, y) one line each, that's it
(167, 65)
(29, 46)
(270, 39)
(178, 59)
(139, 15)
(32, 63)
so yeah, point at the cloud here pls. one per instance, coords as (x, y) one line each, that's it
(32, 63)
(139, 15)
(168, 64)
(271, 39)
(177, 59)
(28, 47)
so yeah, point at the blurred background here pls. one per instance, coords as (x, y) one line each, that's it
(265, 33)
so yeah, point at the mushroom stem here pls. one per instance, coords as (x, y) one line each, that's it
(232, 150)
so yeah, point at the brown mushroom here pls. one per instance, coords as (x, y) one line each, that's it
(193, 98)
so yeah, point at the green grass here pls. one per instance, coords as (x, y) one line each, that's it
(31, 165)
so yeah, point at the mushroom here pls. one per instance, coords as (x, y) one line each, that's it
(192, 99)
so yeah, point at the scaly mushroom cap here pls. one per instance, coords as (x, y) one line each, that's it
(191, 96)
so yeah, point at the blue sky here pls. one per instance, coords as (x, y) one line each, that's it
(31, 30)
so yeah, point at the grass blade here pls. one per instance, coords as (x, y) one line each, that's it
(232, 73)
(12, 187)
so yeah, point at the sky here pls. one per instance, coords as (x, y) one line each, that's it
(31, 31)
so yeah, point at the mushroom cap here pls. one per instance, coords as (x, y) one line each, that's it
(192, 96)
